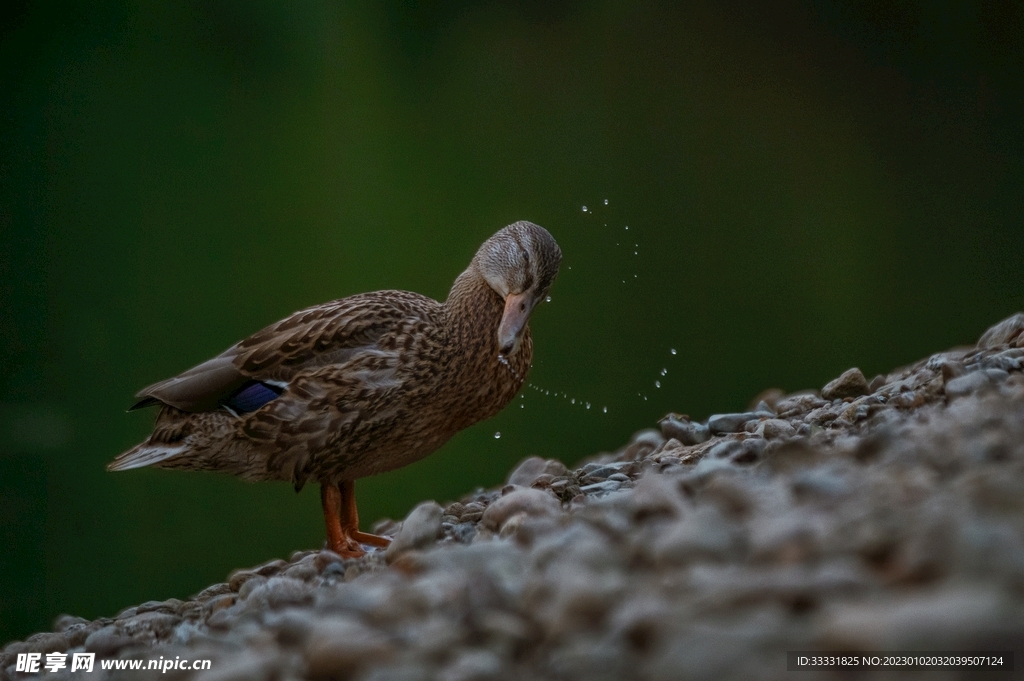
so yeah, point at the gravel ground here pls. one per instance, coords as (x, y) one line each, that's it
(872, 515)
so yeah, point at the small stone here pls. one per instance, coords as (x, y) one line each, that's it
(724, 450)
(604, 486)
(822, 416)
(473, 665)
(798, 403)
(599, 471)
(335, 569)
(472, 512)
(777, 428)
(106, 641)
(531, 468)
(1006, 332)
(532, 502)
(464, 532)
(708, 466)
(245, 665)
(731, 423)
(325, 558)
(967, 384)
(851, 383)
(239, 578)
(685, 431)
(1007, 360)
(270, 568)
(278, 592)
(420, 529)
(819, 483)
(655, 497)
(249, 585)
(338, 646)
(701, 535)
(301, 571)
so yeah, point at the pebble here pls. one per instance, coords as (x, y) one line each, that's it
(1007, 332)
(967, 384)
(531, 502)
(851, 383)
(104, 642)
(420, 529)
(605, 486)
(703, 534)
(685, 431)
(339, 646)
(733, 423)
(798, 403)
(532, 468)
(777, 428)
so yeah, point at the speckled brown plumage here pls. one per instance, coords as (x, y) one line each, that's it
(367, 384)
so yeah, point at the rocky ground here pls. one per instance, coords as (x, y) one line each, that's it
(875, 515)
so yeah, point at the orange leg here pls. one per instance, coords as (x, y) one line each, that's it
(342, 520)
(350, 517)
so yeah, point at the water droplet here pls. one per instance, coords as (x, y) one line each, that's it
(572, 401)
(645, 398)
(627, 226)
(522, 406)
(588, 405)
(606, 202)
(657, 384)
(497, 436)
(635, 253)
(570, 267)
(673, 351)
(584, 209)
(604, 409)
(664, 371)
(547, 299)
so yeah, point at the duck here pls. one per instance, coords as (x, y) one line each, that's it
(357, 386)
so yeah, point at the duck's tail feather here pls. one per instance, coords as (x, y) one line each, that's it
(145, 454)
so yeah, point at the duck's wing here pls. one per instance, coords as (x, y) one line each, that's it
(259, 368)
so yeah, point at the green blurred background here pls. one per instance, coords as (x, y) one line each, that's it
(807, 188)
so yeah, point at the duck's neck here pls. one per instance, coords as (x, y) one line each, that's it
(472, 315)
(473, 310)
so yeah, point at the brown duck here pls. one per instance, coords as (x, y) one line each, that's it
(357, 386)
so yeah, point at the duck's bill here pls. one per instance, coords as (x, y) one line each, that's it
(518, 307)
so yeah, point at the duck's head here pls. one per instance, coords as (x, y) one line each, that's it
(519, 262)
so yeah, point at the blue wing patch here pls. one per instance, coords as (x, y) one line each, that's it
(251, 397)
